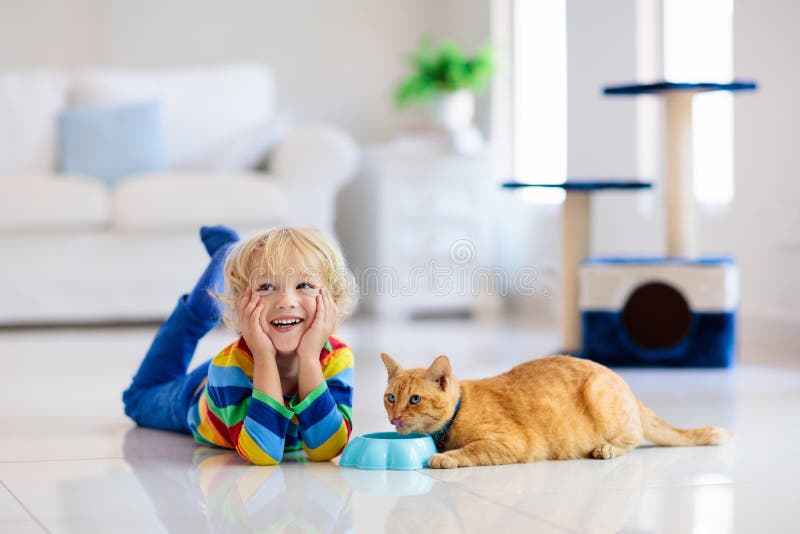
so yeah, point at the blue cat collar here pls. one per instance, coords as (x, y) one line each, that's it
(439, 435)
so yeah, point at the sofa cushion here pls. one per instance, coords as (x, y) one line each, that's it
(334, 161)
(29, 103)
(111, 142)
(204, 108)
(157, 201)
(251, 149)
(52, 203)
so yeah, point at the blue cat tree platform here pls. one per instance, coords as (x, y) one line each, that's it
(678, 310)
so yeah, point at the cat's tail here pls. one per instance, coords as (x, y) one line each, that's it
(661, 433)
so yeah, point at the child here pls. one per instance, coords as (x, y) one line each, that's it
(286, 383)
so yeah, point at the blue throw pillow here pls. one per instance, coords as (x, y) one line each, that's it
(111, 142)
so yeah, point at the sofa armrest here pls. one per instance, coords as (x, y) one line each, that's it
(312, 163)
(315, 154)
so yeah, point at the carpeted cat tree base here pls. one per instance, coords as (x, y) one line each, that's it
(659, 311)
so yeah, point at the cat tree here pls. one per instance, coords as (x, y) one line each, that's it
(675, 310)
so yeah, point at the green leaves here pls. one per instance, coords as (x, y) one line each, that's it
(445, 70)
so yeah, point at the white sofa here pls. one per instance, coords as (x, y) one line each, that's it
(74, 249)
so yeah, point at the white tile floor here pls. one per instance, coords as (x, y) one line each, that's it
(71, 462)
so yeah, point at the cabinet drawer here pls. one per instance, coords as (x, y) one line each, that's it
(445, 199)
(441, 243)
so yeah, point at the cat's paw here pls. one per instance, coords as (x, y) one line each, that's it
(442, 461)
(604, 452)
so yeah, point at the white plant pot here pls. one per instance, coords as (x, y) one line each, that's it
(453, 111)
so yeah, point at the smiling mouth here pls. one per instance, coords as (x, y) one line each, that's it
(285, 325)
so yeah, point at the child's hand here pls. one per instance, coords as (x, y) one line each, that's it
(321, 328)
(252, 324)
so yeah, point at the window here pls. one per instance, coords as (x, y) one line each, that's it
(698, 47)
(539, 95)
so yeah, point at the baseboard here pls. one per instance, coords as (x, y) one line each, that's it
(89, 324)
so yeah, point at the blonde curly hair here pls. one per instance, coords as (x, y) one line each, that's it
(286, 250)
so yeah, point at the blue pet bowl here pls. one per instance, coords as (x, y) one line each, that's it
(388, 450)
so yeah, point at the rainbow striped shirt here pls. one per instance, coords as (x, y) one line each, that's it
(228, 412)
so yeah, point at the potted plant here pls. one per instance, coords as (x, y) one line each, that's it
(448, 80)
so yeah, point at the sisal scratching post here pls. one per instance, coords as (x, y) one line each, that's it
(574, 248)
(679, 186)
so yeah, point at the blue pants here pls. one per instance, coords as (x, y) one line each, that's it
(161, 391)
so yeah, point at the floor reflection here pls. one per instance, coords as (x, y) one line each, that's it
(608, 496)
(386, 482)
(199, 489)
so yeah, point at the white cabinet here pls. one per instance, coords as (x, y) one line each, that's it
(416, 232)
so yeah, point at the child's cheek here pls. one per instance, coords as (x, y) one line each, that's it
(312, 306)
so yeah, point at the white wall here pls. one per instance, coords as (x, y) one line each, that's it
(763, 226)
(603, 140)
(49, 33)
(334, 61)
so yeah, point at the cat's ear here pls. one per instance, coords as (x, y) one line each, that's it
(392, 367)
(440, 372)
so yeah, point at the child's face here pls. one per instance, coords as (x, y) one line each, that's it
(289, 306)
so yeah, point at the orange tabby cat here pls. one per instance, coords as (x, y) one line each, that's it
(553, 408)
